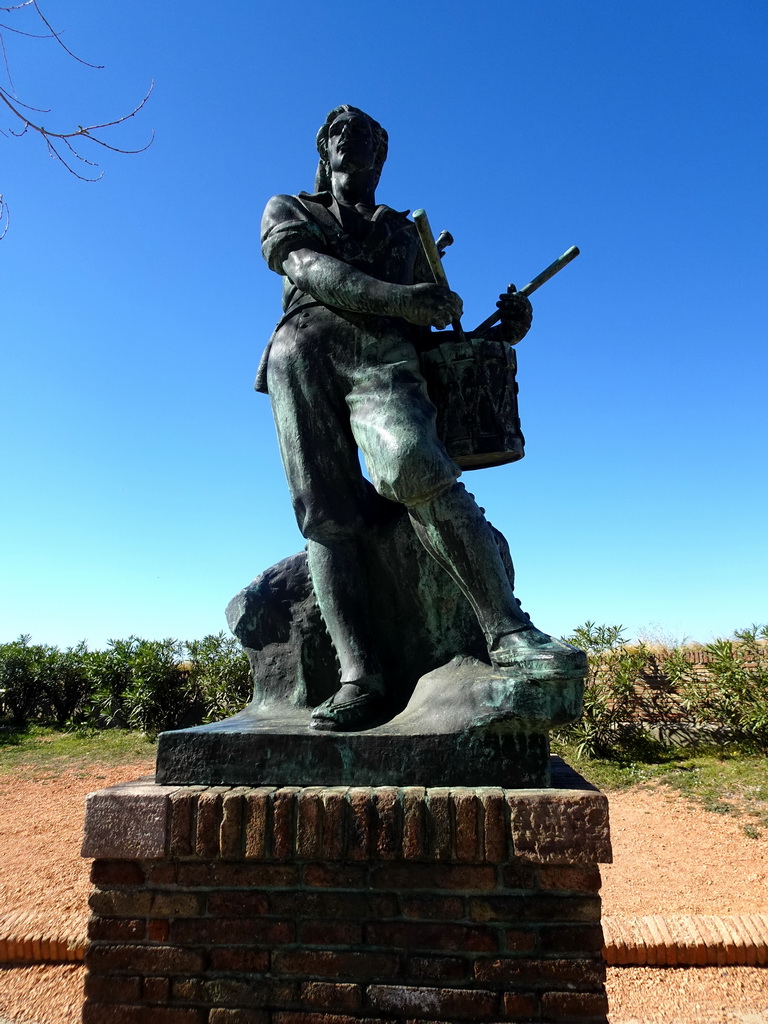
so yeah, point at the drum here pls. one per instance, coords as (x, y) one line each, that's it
(472, 384)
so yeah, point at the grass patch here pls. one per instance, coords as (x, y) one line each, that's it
(725, 782)
(51, 751)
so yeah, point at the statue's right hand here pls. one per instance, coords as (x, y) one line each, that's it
(431, 305)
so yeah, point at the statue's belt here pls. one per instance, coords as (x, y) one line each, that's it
(297, 307)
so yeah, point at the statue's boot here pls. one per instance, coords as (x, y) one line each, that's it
(340, 584)
(358, 705)
(456, 533)
(529, 652)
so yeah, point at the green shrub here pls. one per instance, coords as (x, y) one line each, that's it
(735, 695)
(21, 667)
(156, 697)
(219, 676)
(626, 688)
(134, 683)
(630, 687)
(67, 683)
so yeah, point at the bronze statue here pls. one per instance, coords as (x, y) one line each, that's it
(344, 375)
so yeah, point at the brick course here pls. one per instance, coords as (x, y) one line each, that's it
(347, 905)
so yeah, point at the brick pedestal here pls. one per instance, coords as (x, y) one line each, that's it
(339, 905)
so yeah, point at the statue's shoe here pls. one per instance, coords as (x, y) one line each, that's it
(346, 716)
(532, 654)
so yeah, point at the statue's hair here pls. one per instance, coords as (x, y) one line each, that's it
(380, 138)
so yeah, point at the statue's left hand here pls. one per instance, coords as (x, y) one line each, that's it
(516, 316)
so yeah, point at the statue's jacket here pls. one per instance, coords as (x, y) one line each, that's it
(389, 250)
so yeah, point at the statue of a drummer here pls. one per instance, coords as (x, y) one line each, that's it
(343, 373)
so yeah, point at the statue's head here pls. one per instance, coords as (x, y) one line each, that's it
(378, 142)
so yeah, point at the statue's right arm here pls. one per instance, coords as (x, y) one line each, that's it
(294, 245)
(335, 283)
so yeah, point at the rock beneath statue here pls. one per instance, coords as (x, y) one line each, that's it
(453, 720)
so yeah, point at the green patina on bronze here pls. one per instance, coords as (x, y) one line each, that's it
(400, 624)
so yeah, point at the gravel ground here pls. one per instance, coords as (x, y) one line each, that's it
(670, 857)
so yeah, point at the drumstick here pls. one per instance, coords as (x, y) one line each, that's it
(537, 282)
(421, 221)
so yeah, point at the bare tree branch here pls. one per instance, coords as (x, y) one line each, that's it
(59, 41)
(7, 65)
(32, 35)
(38, 110)
(53, 140)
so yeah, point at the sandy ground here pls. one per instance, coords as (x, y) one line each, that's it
(670, 857)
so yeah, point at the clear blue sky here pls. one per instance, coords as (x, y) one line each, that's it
(141, 481)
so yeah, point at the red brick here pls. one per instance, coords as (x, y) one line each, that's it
(257, 822)
(309, 823)
(325, 964)
(160, 872)
(97, 1013)
(438, 821)
(237, 903)
(434, 876)
(576, 879)
(557, 828)
(411, 935)
(339, 905)
(218, 1015)
(539, 907)
(116, 928)
(581, 974)
(156, 990)
(181, 833)
(437, 968)
(518, 940)
(336, 876)
(143, 959)
(284, 821)
(519, 1005)
(574, 1005)
(158, 930)
(433, 908)
(116, 872)
(459, 1003)
(283, 993)
(585, 938)
(176, 904)
(521, 875)
(359, 817)
(188, 990)
(204, 931)
(297, 1017)
(330, 933)
(495, 827)
(241, 990)
(386, 823)
(334, 817)
(327, 996)
(239, 958)
(466, 813)
(230, 874)
(120, 903)
(231, 834)
(414, 832)
(208, 826)
(112, 988)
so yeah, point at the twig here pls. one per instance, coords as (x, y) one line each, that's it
(4, 216)
(58, 39)
(54, 140)
(82, 132)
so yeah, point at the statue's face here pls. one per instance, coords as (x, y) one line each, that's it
(351, 145)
